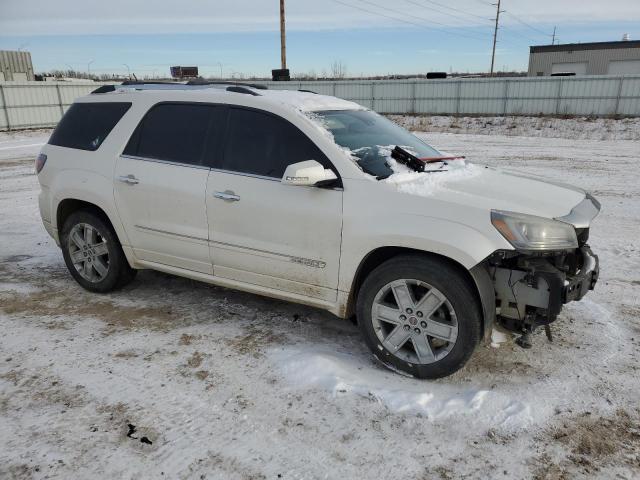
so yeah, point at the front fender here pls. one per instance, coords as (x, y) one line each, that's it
(463, 244)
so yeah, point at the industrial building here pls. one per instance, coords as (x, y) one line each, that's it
(598, 58)
(15, 66)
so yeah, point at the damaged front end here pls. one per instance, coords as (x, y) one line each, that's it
(551, 265)
(531, 288)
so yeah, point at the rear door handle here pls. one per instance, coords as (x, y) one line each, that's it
(129, 179)
(227, 195)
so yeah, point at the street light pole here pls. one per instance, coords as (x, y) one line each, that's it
(128, 71)
(220, 65)
(89, 68)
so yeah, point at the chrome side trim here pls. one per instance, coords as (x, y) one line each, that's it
(166, 162)
(155, 230)
(309, 262)
(242, 174)
(303, 261)
(582, 214)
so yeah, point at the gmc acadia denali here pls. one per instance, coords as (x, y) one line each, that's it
(316, 200)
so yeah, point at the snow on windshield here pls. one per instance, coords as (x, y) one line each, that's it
(435, 176)
(376, 160)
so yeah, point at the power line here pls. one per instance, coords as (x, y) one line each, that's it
(519, 34)
(451, 8)
(402, 13)
(519, 20)
(409, 22)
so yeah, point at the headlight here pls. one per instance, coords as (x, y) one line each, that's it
(528, 232)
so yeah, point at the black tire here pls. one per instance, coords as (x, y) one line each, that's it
(118, 273)
(460, 296)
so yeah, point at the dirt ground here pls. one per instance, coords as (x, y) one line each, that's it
(171, 378)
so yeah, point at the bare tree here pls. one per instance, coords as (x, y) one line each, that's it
(338, 69)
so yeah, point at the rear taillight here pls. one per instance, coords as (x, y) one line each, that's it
(41, 159)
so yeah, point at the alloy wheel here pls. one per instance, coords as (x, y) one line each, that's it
(88, 252)
(414, 321)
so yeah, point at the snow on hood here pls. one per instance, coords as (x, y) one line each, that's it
(437, 176)
(489, 188)
(344, 374)
(484, 187)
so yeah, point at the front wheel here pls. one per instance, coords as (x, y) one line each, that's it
(419, 315)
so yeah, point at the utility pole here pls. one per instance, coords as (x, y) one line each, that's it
(283, 42)
(553, 37)
(495, 37)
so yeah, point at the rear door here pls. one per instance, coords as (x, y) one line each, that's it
(263, 232)
(160, 185)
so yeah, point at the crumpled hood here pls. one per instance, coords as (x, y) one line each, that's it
(489, 188)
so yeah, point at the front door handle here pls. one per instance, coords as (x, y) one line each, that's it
(227, 195)
(130, 179)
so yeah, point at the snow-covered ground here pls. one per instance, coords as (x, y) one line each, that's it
(587, 128)
(171, 378)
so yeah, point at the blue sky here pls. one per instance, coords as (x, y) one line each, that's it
(242, 35)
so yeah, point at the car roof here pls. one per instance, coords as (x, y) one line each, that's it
(305, 101)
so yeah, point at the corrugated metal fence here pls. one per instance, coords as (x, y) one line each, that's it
(38, 104)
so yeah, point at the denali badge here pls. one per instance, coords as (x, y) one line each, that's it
(308, 262)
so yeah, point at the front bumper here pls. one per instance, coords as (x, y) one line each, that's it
(579, 285)
(530, 291)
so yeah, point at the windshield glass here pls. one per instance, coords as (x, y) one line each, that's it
(371, 137)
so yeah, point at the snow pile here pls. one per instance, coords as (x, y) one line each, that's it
(498, 337)
(436, 176)
(587, 128)
(340, 374)
(309, 102)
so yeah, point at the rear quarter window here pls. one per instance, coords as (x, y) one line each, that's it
(86, 125)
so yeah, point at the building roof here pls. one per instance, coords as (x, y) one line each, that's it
(573, 47)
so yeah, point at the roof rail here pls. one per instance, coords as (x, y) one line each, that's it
(232, 86)
(104, 89)
(150, 82)
(239, 89)
(307, 91)
(227, 82)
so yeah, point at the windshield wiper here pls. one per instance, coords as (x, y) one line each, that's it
(400, 155)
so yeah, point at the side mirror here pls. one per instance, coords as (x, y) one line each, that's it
(309, 173)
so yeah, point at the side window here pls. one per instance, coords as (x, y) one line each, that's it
(263, 144)
(86, 125)
(174, 132)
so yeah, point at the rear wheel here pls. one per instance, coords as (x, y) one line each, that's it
(93, 253)
(419, 315)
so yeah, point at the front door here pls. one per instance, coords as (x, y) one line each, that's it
(160, 185)
(263, 232)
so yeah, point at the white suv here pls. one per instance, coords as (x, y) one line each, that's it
(315, 200)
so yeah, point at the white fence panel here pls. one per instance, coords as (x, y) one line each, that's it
(40, 104)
